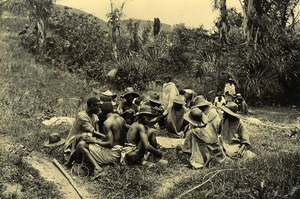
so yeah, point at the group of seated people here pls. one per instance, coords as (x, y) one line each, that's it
(108, 132)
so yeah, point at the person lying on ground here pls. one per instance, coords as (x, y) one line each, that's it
(127, 109)
(86, 123)
(201, 145)
(242, 105)
(175, 124)
(209, 110)
(234, 135)
(97, 152)
(141, 138)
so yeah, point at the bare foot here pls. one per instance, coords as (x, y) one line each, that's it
(97, 173)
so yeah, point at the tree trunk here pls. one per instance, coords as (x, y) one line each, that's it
(223, 23)
(248, 19)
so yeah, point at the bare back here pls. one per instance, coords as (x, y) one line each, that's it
(116, 125)
(133, 135)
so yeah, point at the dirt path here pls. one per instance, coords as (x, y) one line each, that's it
(48, 171)
(51, 173)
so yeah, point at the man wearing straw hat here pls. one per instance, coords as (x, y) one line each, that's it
(234, 136)
(141, 138)
(127, 109)
(201, 144)
(155, 103)
(209, 110)
(175, 124)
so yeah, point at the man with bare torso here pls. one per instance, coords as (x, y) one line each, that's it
(108, 151)
(140, 138)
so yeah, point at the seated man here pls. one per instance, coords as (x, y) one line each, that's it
(108, 96)
(140, 138)
(234, 136)
(219, 100)
(85, 124)
(242, 105)
(127, 109)
(189, 96)
(155, 103)
(201, 144)
(98, 152)
(209, 110)
(175, 123)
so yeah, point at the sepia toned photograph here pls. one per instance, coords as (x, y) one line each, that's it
(150, 99)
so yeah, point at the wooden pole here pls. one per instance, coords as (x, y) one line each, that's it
(61, 169)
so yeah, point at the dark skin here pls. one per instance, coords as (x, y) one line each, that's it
(144, 139)
(115, 135)
(95, 109)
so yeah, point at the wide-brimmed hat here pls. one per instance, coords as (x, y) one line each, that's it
(231, 108)
(179, 99)
(154, 97)
(108, 93)
(145, 110)
(54, 139)
(196, 117)
(130, 91)
(200, 101)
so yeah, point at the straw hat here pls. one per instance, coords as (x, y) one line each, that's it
(130, 91)
(145, 110)
(196, 117)
(108, 93)
(179, 99)
(231, 108)
(54, 140)
(200, 101)
(154, 97)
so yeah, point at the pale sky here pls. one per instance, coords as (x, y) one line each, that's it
(192, 13)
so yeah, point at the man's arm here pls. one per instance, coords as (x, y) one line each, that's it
(107, 144)
(145, 141)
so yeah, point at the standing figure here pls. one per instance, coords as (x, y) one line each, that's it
(169, 92)
(229, 90)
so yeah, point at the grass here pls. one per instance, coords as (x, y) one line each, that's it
(31, 93)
